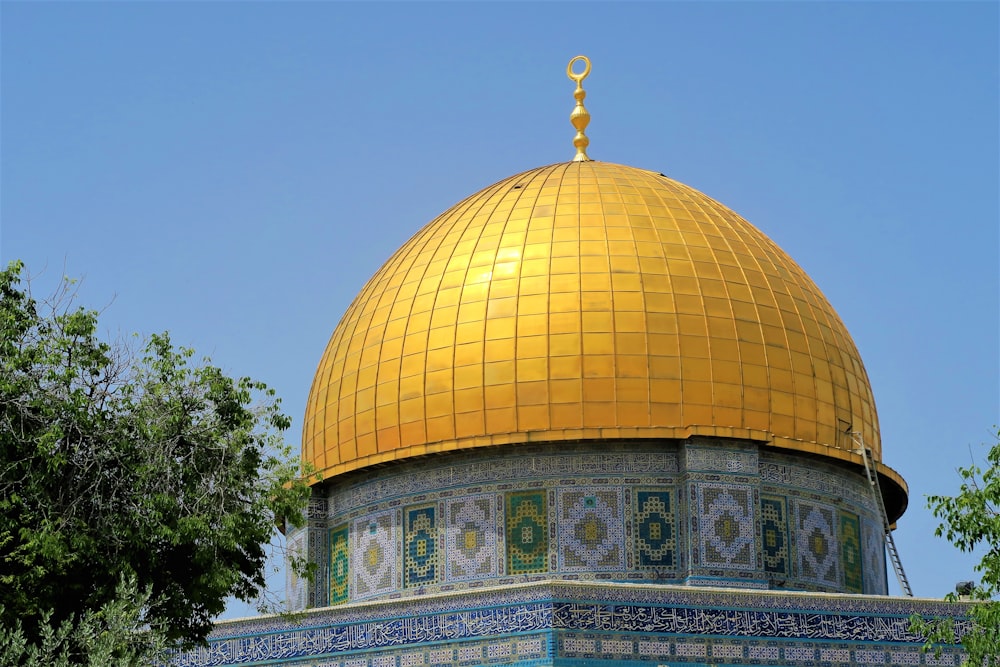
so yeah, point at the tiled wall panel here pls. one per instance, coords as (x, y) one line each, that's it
(703, 512)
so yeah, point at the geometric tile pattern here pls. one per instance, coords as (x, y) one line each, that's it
(618, 513)
(318, 552)
(828, 655)
(816, 543)
(850, 552)
(774, 534)
(800, 653)
(756, 652)
(655, 529)
(503, 651)
(339, 561)
(873, 543)
(471, 538)
(375, 565)
(725, 518)
(591, 529)
(527, 532)
(420, 546)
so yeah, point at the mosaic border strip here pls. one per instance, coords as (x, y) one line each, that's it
(534, 461)
(606, 613)
(627, 651)
(661, 594)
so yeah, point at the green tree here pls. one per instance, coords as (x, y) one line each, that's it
(971, 521)
(112, 636)
(129, 463)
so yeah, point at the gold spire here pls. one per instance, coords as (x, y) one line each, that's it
(580, 116)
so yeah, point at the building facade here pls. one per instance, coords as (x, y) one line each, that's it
(591, 416)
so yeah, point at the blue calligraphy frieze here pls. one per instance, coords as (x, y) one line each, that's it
(732, 623)
(316, 642)
(610, 612)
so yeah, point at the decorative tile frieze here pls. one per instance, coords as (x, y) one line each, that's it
(786, 472)
(468, 468)
(623, 514)
(729, 457)
(609, 623)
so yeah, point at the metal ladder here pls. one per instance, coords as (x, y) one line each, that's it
(890, 544)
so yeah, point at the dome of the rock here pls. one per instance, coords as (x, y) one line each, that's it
(589, 371)
(590, 415)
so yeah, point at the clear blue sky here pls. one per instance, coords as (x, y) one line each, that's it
(235, 172)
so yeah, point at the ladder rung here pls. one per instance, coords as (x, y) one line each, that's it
(890, 544)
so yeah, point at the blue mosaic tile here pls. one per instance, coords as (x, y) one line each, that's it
(655, 529)
(873, 540)
(774, 534)
(726, 526)
(420, 546)
(816, 543)
(591, 529)
(375, 563)
(527, 534)
(850, 552)
(614, 625)
(620, 536)
(339, 565)
(471, 535)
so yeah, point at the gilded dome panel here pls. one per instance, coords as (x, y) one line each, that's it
(586, 300)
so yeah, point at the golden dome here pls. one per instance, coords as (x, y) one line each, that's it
(587, 300)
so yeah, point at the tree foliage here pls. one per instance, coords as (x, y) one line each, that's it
(129, 463)
(112, 636)
(971, 521)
